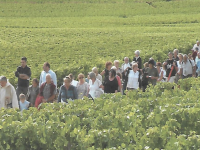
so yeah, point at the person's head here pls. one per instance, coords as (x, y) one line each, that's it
(114, 68)
(196, 49)
(23, 61)
(95, 70)
(135, 67)
(158, 65)
(112, 73)
(190, 56)
(116, 63)
(22, 97)
(185, 57)
(71, 76)
(46, 67)
(176, 52)
(3, 81)
(81, 77)
(146, 65)
(92, 76)
(126, 60)
(180, 56)
(170, 54)
(48, 79)
(35, 82)
(151, 63)
(137, 53)
(67, 81)
(108, 65)
(198, 43)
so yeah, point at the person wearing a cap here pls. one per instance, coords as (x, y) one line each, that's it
(152, 72)
(138, 59)
(171, 68)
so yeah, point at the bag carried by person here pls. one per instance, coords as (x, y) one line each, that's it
(38, 100)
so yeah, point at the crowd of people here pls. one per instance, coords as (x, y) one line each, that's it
(113, 79)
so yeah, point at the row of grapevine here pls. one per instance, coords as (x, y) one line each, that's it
(161, 118)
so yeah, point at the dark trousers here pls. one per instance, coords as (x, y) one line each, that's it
(144, 87)
(124, 87)
(21, 90)
(188, 76)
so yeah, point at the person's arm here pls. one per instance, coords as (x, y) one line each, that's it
(161, 77)
(75, 93)
(102, 73)
(119, 84)
(181, 71)
(194, 70)
(116, 85)
(54, 78)
(17, 72)
(50, 99)
(59, 96)
(86, 90)
(40, 82)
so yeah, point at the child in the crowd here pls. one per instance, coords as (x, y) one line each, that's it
(23, 103)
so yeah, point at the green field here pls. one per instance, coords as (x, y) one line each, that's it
(74, 36)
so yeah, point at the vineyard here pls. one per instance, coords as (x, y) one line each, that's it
(74, 36)
(161, 118)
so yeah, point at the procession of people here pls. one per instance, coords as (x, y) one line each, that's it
(113, 79)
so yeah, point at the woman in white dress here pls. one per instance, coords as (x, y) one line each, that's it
(95, 86)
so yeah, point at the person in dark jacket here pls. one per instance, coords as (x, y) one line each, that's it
(111, 83)
(67, 91)
(23, 73)
(138, 59)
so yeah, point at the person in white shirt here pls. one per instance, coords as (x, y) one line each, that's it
(179, 64)
(187, 67)
(133, 78)
(8, 96)
(98, 76)
(197, 45)
(46, 70)
(95, 86)
(74, 82)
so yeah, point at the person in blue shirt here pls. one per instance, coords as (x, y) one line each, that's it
(23, 103)
(47, 70)
(67, 91)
